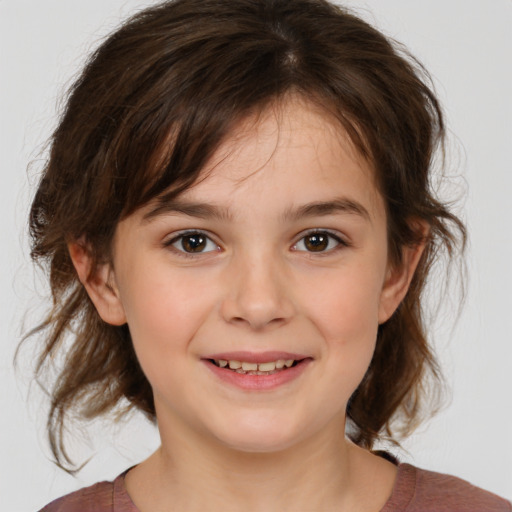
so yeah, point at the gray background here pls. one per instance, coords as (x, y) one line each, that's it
(466, 45)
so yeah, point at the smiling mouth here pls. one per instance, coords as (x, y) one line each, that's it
(247, 368)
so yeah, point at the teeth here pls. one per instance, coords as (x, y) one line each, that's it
(257, 368)
(267, 367)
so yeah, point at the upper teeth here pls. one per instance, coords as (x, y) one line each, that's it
(262, 367)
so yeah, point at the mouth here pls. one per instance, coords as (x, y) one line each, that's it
(257, 371)
(252, 368)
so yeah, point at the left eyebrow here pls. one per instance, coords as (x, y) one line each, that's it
(324, 208)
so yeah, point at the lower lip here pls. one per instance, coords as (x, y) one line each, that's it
(259, 382)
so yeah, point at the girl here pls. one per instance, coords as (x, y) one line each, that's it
(238, 220)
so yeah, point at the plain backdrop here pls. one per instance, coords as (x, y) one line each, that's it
(466, 45)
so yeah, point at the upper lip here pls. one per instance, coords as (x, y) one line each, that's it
(256, 357)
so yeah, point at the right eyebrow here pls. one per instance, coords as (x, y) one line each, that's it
(197, 210)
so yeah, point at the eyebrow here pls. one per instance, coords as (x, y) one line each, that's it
(324, 208)
(198, 210)
(212, 211)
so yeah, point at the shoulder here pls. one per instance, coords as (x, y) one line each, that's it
(420, 490)
(100, 497)
(97, 498)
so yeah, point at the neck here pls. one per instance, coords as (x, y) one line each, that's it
(261, 481)
(191, 472)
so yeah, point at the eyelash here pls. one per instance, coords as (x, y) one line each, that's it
(180, 237)
(340, 242)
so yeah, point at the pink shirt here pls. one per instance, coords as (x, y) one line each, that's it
(415, 490)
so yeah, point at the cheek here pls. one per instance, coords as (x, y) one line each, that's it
(345, 309)
(164, 310)
(345, 313)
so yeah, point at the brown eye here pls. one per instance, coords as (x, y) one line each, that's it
(318, 241)
(193, 243)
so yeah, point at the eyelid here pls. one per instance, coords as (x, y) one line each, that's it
(337, 236)
(173, 238)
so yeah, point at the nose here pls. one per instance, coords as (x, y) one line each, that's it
(258, 293)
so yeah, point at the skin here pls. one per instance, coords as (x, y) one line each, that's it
(258, 286)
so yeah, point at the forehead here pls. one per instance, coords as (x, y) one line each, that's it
(294, 150)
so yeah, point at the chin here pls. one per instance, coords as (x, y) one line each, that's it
(260, 435)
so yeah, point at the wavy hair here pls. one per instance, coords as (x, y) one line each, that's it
(151, 106)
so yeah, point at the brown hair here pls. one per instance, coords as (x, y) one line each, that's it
(151, 106)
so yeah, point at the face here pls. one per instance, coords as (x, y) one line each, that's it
(274, 264)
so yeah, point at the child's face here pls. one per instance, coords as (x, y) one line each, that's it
(280, 253)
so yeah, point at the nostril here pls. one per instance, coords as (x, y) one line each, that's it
(258, 323)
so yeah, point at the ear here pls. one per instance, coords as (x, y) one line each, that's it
(399, 277)
(99, 283)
